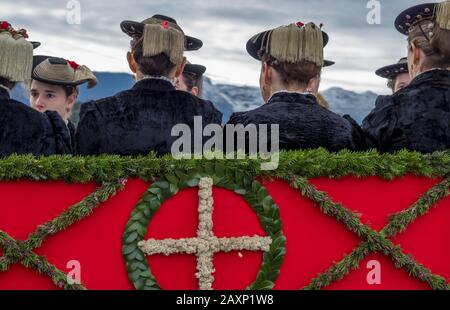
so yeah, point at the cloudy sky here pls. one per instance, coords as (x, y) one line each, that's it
(224, 26)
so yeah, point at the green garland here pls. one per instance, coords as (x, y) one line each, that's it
(22, 251)
(374, 241)
(170, 184)
(295, 167)
(308, 164)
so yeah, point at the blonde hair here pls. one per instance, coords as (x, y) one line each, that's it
(322, 101)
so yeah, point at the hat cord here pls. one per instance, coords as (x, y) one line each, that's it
(424, 34)
(5, 88)
(433, 51)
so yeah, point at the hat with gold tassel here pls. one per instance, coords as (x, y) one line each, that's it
(293, 43)
(16, 53)
(442, 15)
(136, 30)
(59, 71)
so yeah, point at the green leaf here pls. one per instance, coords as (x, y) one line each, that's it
(128, 249)
(161, 184)
(155, 190)
(192, 182)
(240, 191)
(265, 285)
(267, 204)
(131, 237)
(172, 178)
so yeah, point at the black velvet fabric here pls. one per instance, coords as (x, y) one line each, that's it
(139, 120)
(72, 130)
(415, 118)
(26, 131)
(303, 123)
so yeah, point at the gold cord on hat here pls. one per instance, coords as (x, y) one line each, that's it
(16, 55)
(162, 38)
(442, 14)
(296, 43)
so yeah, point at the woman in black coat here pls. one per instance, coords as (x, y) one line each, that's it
(140, 120)
(290, 78)
(418, 116)
(55, 87)
(22, 129)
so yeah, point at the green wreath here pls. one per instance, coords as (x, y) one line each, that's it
(168, 185)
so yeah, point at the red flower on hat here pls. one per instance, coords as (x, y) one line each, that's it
(73, 64)
(5, 25)
(165, 24)
(300, 24)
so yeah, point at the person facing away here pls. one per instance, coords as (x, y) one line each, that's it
(192, 79)
(140, 120)
(291, 63)
(418, 116)
(54, 86)
(396, 74)
(24, 130)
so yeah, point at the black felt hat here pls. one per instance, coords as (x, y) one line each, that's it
(413, 15)
(391, 71)
(197, 70)
(35, 44)
(261, 43)
(136, 29)
(59, 71)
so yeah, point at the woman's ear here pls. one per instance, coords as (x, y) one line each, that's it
(267, 73)
(131, 62)
(313, 85)
(194, 91)
(71, 100)
(416, 54)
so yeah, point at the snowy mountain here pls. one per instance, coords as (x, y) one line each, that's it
(227, 98)
(357, 105)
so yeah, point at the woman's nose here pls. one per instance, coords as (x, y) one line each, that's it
(39, 102)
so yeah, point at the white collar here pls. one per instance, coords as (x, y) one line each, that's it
(289, 92)
(149, 77)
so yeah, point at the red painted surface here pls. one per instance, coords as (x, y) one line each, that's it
(314, 240)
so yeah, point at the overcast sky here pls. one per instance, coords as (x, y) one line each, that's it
(224, 26)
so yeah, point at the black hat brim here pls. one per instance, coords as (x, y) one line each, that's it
(198, 70)
(35, 44)
(392, 71)
(134, 29)
(256, 42)
(402, 23)
(328, 63)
